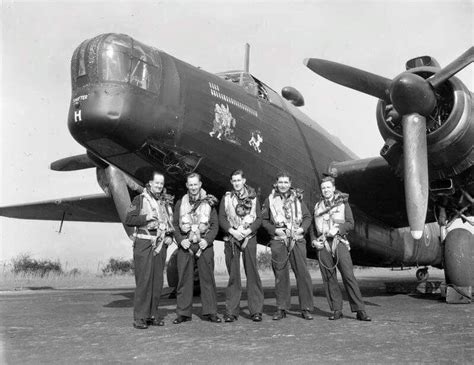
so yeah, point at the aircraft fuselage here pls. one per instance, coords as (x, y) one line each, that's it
(138, 108)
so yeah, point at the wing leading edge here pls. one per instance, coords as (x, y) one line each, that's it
(88, 208)
(373, 187)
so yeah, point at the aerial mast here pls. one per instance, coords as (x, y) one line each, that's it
(246, 63)
(247, 58)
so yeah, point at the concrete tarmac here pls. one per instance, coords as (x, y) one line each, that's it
(66, 326)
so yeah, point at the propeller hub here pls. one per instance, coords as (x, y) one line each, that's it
(411, 93)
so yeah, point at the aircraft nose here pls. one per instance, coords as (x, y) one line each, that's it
(96, 114)
(114, 114)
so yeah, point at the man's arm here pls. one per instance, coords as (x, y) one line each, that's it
(134, 219)
(223, 221)
(258, 220)
(349, 220)
(211, 234)
(177, 230)
(313, 234)
(266, 218)
(306, 217)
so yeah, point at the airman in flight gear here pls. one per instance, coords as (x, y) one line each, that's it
(286, 218)
(239, 218)
(151, 213)
(196, 226)
(333, 220)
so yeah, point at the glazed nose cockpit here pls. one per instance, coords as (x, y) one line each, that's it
(115, 82)
(126, 60)
(116, 58)
(125, 103)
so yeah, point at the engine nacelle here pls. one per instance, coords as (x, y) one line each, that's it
(450, 129)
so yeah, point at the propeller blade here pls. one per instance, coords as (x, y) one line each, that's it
(454, 67)
(415, 171)
(351, 77)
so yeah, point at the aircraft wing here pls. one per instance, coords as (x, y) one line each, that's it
(375, 189)
(89, 208)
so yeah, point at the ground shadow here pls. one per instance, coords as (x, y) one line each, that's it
(166, 301)
(38, 288)
(369, 288)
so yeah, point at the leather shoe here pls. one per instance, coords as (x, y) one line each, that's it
(230, 318)
(181, 319)
(362, 316)
(140, 324)
(154, 322)
(306, 315)
(335, 316)
(212, 318)
(257, 317)
(279, 314)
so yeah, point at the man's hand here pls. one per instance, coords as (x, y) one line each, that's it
(299, 230)
(202, 244)
(236, 234)
(151, 217)
(168, 240)
(246, 232)
(185, 244)
(280, 232)
(318, 244)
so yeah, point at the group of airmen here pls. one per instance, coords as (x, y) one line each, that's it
(193, 225)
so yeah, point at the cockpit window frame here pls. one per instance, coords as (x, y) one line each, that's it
(139, 57)
(252, 86)
(270, 95)
(80, 70)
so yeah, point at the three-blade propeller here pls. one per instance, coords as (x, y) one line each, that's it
(414, 98)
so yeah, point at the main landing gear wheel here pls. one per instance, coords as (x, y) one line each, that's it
(422, 274)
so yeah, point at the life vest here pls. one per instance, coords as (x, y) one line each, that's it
(195, 222)
(327, 217)
(286, 213)
(232, 202)
(161, 208)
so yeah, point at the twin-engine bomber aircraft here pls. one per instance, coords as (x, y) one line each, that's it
(135, 108)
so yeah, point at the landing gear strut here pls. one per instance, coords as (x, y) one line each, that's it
(422, 274)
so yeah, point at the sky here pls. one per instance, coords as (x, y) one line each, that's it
(38, 39)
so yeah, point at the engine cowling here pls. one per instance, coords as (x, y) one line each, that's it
(450, 129)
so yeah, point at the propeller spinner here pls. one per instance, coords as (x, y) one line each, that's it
(412, 97)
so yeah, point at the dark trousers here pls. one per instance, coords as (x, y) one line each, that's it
(184, 290)
(331, 286)
(234, 286)
(280, 264)
(148, 278)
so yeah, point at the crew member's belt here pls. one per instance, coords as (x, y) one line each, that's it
(145, 236)
(148, 231)
(331, 243)
(241, 245)
(284, 238)
(153, 239)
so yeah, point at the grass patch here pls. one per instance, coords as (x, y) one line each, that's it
(264, 260)
(119, 267)
(25, 265)
(24, 272)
